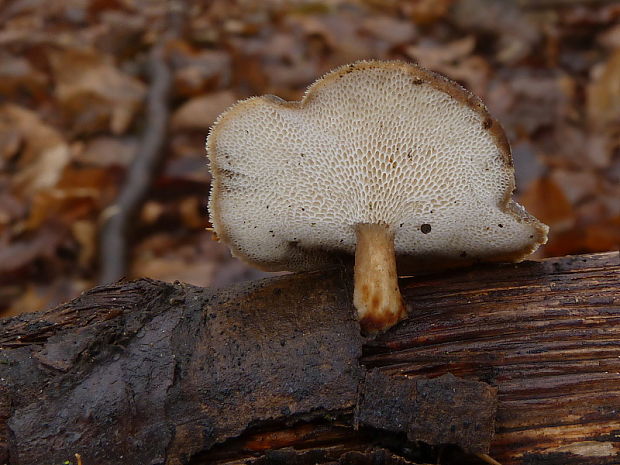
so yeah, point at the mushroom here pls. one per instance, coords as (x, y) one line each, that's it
(384, 160)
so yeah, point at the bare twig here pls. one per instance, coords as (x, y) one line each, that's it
(118, 218)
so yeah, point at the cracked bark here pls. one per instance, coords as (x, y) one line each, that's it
(269, 372)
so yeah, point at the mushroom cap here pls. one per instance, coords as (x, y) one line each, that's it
(371, 142)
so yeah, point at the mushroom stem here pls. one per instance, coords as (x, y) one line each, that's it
(376, 295)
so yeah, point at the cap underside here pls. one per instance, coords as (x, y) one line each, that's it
(373, 142)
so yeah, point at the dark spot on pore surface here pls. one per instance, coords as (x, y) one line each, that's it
(425, 228)
(488, 122)
(501, 225)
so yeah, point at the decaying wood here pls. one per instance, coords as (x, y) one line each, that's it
(148, 372)
(443, 410)
(546, 334)
(155, 373)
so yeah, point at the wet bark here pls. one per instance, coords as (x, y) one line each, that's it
(277, 372)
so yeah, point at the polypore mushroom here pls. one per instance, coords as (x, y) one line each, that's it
(382, 159)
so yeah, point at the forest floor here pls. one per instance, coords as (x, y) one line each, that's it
(76, 76)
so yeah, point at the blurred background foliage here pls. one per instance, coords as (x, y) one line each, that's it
(74, 82)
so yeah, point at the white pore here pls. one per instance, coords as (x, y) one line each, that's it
(368, 144)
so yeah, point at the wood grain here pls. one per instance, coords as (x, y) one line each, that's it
(546, 334)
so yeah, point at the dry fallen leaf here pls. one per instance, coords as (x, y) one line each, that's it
(611, 37)
(432, 54)
(10, 139)
(527, 163)
(454, 60)
(38, 296)
(603, 236)
(85, 233)
(192, 213)
(17, 75)
(342, 34)
(515, 33)
(594, 237)
(11, 209)
(25, 250)
(165, 257)
(151, 212)
(107, 151)
(604, 93)
(60, 206)
(525, 101)
(288, 61)
(94, 92)
(198, 71)
(79, 193)
(172, 268)
(197, 260)
(41, 151)
(29, 299)
(120, 32)
(392, 30)
(45, 172)
(576, 185)
(546, 201)
(201, 112)
(427, 12)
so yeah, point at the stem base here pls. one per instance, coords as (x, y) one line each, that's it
(376, 295)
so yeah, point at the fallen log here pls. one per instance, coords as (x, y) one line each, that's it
(277, 372)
